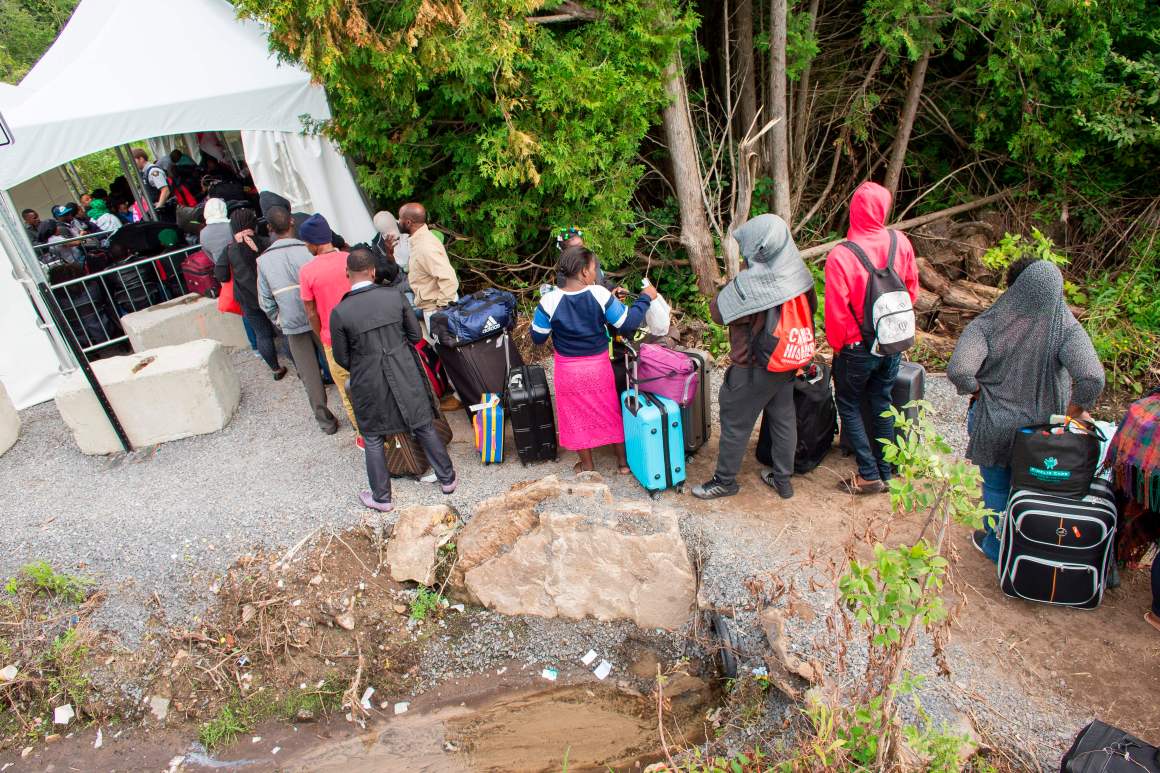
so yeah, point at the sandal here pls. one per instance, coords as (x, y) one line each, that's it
(851, 487)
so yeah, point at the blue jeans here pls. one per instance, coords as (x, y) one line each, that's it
(250, 333)
(996, 491)
(860, 376)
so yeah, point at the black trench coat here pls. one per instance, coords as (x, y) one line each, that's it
(372, 331)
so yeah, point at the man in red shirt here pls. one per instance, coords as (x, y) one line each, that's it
(860, 375)
(322, 283)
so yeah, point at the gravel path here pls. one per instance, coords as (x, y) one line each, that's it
(166, 522)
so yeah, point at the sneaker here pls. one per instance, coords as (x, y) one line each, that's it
(784, 488)
(429, 478)
(449, 488)
(368, 499)
(362, 444)
(715, 489)
(977, 540)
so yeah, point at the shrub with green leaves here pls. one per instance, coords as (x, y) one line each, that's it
(506, 128)
(40, 578)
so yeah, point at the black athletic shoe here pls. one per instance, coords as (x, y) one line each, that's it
(977, 540)
(783, 488)
(715, 489)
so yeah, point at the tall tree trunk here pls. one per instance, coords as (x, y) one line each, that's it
(906, 123)
(801, 119)
(746, 69)
(779, 135)
(687, 182)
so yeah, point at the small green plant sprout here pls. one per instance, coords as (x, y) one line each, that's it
(897, 593)
(426, 602)
(40, 578)
(223, 729)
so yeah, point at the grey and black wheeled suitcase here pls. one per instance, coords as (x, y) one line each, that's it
(696, 417)
(1058, 550)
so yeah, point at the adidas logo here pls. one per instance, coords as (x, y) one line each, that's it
(490, 325)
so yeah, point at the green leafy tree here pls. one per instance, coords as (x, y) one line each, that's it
(508, 127)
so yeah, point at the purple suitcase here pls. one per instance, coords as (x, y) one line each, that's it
(667, 373)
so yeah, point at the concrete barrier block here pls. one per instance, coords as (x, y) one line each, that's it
(183, 319)
(9, 421)
(159, 395)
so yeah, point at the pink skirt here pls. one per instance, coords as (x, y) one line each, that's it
(587, 406)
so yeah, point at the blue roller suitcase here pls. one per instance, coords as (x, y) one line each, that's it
(654, 439)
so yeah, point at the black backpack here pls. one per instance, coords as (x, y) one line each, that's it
(1101, 748)
(817, 421)
(888, 321)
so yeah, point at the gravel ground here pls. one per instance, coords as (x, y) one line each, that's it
(165, 522)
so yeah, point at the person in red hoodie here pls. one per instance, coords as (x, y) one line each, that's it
(859, 374)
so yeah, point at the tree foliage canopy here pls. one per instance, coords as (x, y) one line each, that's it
(508, 129)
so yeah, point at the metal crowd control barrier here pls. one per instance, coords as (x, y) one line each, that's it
(84, 238)
(92, 305)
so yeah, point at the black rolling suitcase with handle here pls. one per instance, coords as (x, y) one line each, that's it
(1058, 550)
(1101, 748)
(529, 408)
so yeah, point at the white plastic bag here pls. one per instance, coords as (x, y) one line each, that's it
(658, 317)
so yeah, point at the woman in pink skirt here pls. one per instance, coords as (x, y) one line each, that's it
(577, 316)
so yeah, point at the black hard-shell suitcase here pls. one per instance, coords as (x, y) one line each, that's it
(697, 415)
(479, 367)
(910, 385)
(1058, 550)
(817, 421)
(529, 408)
(1101, 748)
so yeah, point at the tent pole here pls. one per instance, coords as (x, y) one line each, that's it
(68, 181)
(82, 186)
(133, 176)
(30, 272)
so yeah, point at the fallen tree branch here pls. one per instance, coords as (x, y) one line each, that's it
(914, 222)
(567, 12)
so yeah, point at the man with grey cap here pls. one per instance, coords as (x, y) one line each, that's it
(774, 281)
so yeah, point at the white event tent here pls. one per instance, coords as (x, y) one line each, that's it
(129, 94)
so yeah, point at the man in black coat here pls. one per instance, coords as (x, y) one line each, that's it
(372, 331)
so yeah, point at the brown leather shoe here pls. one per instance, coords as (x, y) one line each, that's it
(450, 403)
(852, 486)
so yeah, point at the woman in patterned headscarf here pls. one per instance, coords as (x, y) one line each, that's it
(1022, 360)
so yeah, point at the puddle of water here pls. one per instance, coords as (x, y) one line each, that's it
(594, 728)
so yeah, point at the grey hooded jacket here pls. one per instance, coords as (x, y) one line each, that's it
(278, 291)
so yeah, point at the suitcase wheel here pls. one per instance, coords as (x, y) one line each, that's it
(654, 495)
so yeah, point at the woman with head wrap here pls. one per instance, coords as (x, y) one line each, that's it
(216, 235)
(1021, 361)
(774, 278)
(241, 264)
(105, 220)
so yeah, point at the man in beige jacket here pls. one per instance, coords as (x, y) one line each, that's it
(432, 279)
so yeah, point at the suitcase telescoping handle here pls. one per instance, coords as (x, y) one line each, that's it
(630, 356)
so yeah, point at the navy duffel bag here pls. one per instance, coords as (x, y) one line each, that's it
(479, 315)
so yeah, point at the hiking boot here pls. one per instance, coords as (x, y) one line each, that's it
(715, 489)
(783, 488)
(450, 404)
(368, 499)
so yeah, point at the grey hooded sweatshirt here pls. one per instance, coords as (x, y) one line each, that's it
(278, 292)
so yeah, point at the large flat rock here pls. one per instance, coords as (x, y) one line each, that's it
(9, 421)
(159, 395)
(188, 318)
(576, 556)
